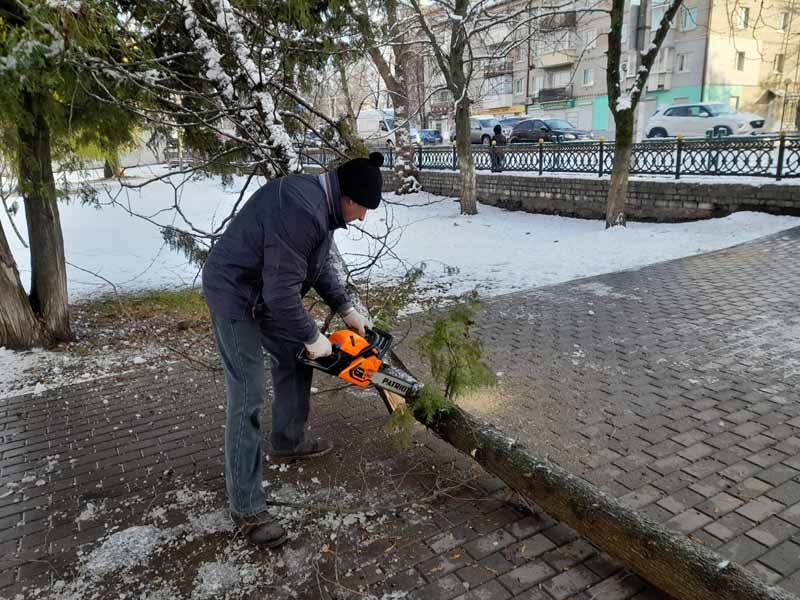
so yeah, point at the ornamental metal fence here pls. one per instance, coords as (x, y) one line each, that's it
(771, 156)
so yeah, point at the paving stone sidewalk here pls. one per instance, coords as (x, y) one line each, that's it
(675, 388)
(114, 489)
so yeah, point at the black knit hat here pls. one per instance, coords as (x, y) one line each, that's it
(361, 180)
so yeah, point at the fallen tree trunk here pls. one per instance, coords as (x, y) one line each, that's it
(670, 562)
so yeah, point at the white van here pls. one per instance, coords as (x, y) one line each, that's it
(376, 127)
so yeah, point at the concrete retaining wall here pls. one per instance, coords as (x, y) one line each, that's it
(648, 200)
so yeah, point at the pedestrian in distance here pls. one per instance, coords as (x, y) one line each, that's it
(498, 140)
(274, 251)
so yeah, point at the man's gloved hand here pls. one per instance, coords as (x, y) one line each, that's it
(319, 348)
(356, 321)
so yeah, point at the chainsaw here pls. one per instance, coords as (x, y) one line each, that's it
(362, 361)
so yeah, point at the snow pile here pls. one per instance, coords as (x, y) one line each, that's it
(211, 522)
(91, 511)
(124, 549)
(215, 579)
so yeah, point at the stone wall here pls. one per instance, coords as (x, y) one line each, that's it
(648, 199)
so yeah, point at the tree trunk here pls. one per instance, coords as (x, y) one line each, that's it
(48, 295)
(348, 99)
(466, 163)
(683, 569)
(672, 563)
(618, 189)
(112, 168)
(405, 165)
(19, 328)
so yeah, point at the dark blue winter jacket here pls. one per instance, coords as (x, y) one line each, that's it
(273, 252)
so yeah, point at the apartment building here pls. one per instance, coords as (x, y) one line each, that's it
(743, 53)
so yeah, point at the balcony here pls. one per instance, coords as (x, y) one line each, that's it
(440, 109)
(498, 68)
(554, 94)
(559, 58)
(566, 20)
(497, 101)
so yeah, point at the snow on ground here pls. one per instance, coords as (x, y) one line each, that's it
(495, 251)
(498, 251)
(39, 370)
(153, 557)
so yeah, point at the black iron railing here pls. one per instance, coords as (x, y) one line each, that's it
(770, 156)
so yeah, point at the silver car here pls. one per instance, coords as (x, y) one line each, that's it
(481, 129)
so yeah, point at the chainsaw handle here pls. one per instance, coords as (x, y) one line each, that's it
(379, 343)
(333, 363)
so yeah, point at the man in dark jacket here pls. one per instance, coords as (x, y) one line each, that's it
(274, 251)
(498, 139)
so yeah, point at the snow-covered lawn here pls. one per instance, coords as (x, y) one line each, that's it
(495, 251)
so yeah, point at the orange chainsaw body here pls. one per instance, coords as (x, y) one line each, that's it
(360, 371)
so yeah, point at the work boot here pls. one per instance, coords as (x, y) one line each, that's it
(261, 529)
(308, 449)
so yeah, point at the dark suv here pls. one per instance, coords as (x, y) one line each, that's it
(531, 131)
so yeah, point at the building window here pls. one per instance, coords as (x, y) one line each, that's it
(624, 34)
(520, 54)
(518, 86)
(783, 21)
(740, 61)
(627, 65)
(689, 18)
(495, 86)
(591, 39)
(558, 79)
(662, 63)
(742, 17)
(656, 16)
(683, 63)
(588, 77)
(777, 63)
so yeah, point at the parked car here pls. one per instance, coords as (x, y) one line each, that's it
(309, 139)
(376, 126)
(429, 136)
(508, 124)
(694, 120)
(531, 131)
(481, 129)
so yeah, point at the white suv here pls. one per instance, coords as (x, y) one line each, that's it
(693, 120)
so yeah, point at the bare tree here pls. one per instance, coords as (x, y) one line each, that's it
(623, 103)
(394, 35)
(453, 61)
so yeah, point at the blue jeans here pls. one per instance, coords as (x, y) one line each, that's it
(240, 344)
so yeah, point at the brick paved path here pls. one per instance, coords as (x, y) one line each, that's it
(673, 387)
(687, 410)
(139, 457)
